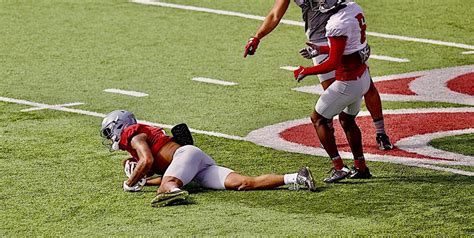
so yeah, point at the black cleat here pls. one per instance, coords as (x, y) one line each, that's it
(305, 179)
(357, 174)
(170, 198)
(383, 141)
(337, 175)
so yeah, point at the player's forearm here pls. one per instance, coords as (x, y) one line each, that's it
(338, 44)
(140, 171)
(153, 182)
(273, 18)
(324, 49)
(268, 26)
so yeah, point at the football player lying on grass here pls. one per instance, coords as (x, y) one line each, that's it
(179, 162)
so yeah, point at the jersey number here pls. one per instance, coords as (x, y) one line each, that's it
(363, 27)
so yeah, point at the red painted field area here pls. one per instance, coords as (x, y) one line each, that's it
(398, 126)
(463, 84)
(397, 86)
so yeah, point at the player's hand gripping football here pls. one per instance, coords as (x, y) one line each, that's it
(311, 51)
(299, 73)
(135, 188)
(129, 166)
(251, 46)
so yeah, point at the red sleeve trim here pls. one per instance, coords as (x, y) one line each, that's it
(338, 44)
(324, 49)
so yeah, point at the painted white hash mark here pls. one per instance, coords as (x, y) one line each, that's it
(126, 92)
(52, 106)
(214, 81)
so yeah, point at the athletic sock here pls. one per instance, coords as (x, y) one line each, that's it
(290, 178)
(337, 162)
(359, 163)
(175, 189)
(379, 126)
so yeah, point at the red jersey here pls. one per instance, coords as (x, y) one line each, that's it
(156, 138)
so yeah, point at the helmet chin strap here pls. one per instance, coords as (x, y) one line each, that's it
(115, 146)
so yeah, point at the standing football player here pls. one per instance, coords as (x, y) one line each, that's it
(179, 162)
(347, 52)
(315, 23)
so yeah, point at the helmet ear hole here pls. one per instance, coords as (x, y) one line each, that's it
(113, 124)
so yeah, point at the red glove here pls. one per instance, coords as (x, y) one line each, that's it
(251, 46)
(300, 73)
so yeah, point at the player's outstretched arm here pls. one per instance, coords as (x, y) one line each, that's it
(271, 22)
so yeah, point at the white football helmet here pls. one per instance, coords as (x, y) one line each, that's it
(328, 5)
(112, 127)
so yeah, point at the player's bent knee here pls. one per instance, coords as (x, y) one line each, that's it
(235, 181)
(346, 120)
(318, 119)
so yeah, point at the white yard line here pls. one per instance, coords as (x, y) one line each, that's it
(52, 106)
(289, 68)
(468, 52)
(126, 92)
(297, 23)
(421, 40)
(389, 58)
(214, 81)
(101, 115)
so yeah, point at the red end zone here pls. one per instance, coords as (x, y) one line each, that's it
(398, 126)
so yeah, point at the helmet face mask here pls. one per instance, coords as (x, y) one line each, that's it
(113, 125)
(328, 5)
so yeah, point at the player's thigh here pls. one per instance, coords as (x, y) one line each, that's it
(357, 88)
(334, 99)
(353, 108)
(187, 162)
(213, 177)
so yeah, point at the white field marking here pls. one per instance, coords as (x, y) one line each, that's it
(214, 81)
(269, 136)
(289, 68)
(52, 106)
(421, 40)
(126, 92)
(101, 115)
(388, 58)
(468, 52)
(297, 23)
(419, 144)
(451, 170)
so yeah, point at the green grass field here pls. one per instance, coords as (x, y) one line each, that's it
(58, 179)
